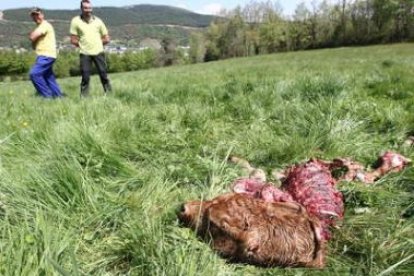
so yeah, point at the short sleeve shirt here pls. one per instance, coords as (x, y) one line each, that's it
(46, 44)
(90, 34)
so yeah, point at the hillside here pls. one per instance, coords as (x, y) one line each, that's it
(92, 186)
(125, 23)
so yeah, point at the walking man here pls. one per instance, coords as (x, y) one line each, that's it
(90, 34)
(44, 43)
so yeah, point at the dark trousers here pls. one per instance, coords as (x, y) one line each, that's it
(44, 79)
(86, 69)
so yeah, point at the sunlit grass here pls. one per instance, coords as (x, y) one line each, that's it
(91, 186)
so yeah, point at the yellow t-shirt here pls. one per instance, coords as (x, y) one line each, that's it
(90, 34)
(46, 44)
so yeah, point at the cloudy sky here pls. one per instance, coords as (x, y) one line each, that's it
(200, 6)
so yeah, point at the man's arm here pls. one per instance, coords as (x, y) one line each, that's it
(35, 35)
(74, 40)
(105, 39)
(104, 33)
(74, 33)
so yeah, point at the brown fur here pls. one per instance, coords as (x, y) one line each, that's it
(250, 230)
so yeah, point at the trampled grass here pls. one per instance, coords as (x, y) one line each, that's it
(90, 187)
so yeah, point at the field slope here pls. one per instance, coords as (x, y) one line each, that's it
(90, 187)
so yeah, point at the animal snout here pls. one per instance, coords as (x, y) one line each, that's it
(182, 209)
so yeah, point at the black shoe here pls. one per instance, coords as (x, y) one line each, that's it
(107, 88)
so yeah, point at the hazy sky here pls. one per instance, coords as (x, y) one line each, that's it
(200, 6)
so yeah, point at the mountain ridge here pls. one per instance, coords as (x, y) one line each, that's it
(115, 16)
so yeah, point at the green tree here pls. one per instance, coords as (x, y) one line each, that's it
(212, 36)
(197, 47)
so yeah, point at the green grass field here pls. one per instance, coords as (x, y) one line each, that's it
(91, 187)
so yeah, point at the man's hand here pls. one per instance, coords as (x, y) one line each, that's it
(105, 39)
(74, 40)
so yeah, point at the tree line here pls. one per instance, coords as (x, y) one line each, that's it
(261, 28)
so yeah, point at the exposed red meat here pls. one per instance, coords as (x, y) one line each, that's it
(312, 185)
(258, 189)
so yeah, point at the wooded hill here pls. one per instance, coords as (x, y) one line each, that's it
(130, 24)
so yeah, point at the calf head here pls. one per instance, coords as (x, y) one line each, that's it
(191, 213)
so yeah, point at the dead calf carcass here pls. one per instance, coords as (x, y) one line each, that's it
(249, 230)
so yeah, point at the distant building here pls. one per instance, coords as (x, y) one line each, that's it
(115, 49)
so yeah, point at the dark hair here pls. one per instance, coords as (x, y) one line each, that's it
(35, 10)
(83, 1)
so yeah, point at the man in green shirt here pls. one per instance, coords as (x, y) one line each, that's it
(90, 34)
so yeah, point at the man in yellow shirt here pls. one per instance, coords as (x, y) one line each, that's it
(44, 43)
(90, 34)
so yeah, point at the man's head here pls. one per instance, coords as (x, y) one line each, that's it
(86, 7)
(37, 15)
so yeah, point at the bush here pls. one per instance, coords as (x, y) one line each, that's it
(16, 66)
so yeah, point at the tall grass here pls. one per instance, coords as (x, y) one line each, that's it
(90, 187)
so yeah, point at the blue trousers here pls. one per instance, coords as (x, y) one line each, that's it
(44, 79)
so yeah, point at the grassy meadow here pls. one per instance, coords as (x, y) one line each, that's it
(91, 187)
